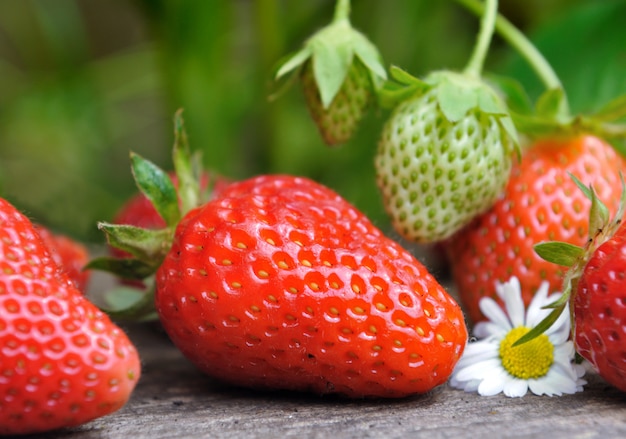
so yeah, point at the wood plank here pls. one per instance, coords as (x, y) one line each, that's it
(174, 400)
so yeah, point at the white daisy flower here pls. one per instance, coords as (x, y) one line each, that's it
(544, 365)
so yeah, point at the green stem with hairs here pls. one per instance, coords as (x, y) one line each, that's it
(342, 10)
(487, 26)
(520, 43)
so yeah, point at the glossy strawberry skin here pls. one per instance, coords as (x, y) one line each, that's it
(599, 310)
(541, 203)
(62, 361)
(69, 254)
(281, 284)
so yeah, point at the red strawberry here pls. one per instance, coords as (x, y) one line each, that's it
(540, 203)
(70, 255)
(62, 362)
(599, 310)
(595, 288)
(282, 284)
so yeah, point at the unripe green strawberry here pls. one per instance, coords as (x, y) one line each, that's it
(338, 121)
(339, 69)
(444, 156)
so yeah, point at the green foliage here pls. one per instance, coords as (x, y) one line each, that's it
(84, 83)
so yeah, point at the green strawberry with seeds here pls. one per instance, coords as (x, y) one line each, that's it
(437, 171)
(446, 151)
(339, 69)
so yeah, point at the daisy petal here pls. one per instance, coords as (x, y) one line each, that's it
(487, 329)
(494, 312)
(493, 383)
(511, 293)
(516, 388)
(477, 370)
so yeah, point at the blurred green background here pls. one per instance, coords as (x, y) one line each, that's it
(82, 82)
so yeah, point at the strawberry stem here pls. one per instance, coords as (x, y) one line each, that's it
(487, 26)
(342, 10)
(521, 44)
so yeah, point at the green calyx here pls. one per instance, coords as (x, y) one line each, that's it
(601, 228)
(457, 95)
(147, 247)
(332, 51)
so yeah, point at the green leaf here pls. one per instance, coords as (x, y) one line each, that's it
(599, 215)
(513, 93)
(148, 245)
(130, 304)
(404, 77)
(292, 61)
(126, 268)
(507, 123)
(488, 101)
(368, 54)
(560, 253)
(613, 110)
(542, 327)
(121, 297)
(532, 124)
(331, 63)
(187, 173)
(454, 100)
(157, 186)
(552, 104)
(391, 94)
(586, 190)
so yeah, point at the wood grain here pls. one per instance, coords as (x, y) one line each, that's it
(174, 400)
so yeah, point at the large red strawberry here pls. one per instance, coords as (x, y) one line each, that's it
(69, 254)
(540, 203)
(280, 283)
(62, 361)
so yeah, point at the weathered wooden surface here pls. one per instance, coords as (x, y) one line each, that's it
(174, 400)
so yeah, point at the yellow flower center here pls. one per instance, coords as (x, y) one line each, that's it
(529, 360)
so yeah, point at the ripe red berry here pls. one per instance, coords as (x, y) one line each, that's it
(540, 203)
(282, 284)
(62, 361)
